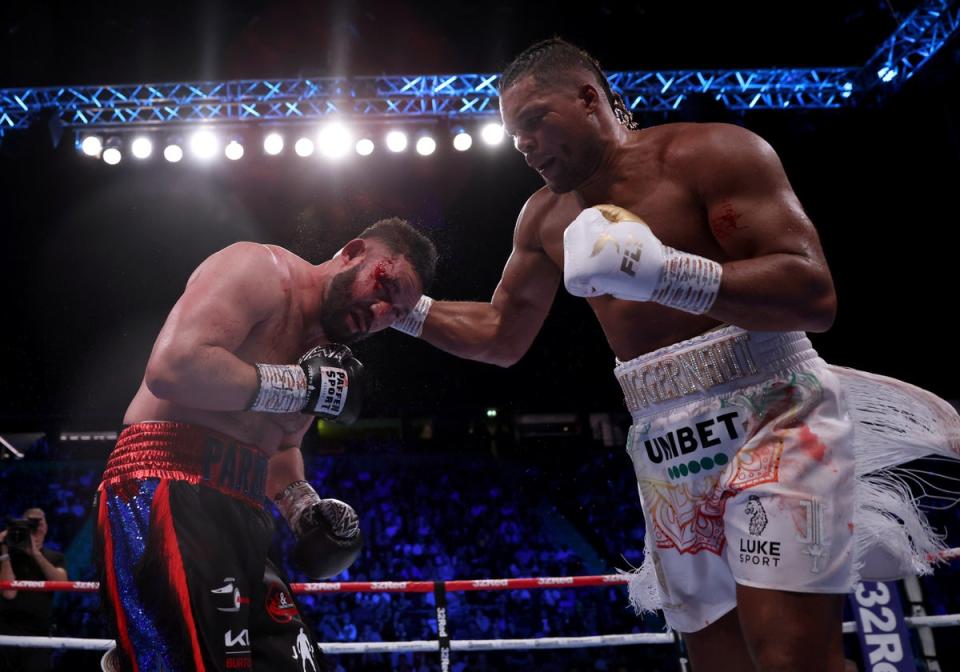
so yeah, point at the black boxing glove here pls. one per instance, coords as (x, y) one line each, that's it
(327, 530)
(325, 382)
(333, 383)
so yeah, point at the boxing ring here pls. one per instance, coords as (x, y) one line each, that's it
(442, 645)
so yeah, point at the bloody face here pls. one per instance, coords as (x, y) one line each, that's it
(369, 297)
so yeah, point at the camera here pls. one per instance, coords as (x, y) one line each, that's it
(19, 531)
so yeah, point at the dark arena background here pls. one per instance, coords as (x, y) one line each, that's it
(458, 470)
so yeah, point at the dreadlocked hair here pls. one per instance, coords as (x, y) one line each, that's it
(551, 61)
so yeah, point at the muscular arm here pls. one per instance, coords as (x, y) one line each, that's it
(778, 279)
(193, 362)
(501, 331)
(286, 465)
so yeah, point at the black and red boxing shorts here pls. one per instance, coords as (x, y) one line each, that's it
(182, 542)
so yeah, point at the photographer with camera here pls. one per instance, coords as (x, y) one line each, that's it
(23, 557)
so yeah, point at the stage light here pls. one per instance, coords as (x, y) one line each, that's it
(233, 150)
(364, 146)
(887, 73)
(426, 145)
(273, 144)
(462, 141)
(141, 147)
(396, 141)
(111, 153)
(112, 156)
(847, 90)
(492, 133)
(303, 147)
(173, 152)
(92, 145)
(334, 140)
(204, 145)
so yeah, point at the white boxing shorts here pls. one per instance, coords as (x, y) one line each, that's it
(742, 446)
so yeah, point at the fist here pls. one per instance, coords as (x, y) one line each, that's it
(328, 538)
(333, 383)
(609, 250)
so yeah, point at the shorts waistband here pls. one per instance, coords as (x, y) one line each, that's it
(191, 453)
(712, 363)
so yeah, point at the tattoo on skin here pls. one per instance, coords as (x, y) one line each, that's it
(725, 224)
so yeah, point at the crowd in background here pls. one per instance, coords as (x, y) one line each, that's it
(439, 515)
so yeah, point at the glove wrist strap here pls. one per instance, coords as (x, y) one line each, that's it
(688, 282)
(294, 500)
(412, 324)
(281, 388)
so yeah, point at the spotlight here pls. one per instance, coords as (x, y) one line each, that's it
(334, 140)
(462, 141)
(141, 147)
(887, 73)
(204, 145)
(273, 144)
(233, 150)
(92, 145)
(111, 154)
(304, 147)
(364, 146)
(426, 145)
(847, 90)
(396, 141)
(173, 152)
(492, 133)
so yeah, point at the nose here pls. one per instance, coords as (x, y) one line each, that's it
(384, 314)
(525, 143)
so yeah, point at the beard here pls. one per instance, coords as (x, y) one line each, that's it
(337, 306)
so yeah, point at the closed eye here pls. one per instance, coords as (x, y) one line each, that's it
(392, 289)
(532, 120)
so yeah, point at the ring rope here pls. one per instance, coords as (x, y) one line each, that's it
(939, 621)
(431, 646)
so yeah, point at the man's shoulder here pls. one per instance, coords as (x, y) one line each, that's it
(542, 199)
(684, 142)
(260, 252)
(260, 258)
(245, 265)
(544, 205)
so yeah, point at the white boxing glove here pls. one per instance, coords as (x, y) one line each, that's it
(412, 324)
(609, 250)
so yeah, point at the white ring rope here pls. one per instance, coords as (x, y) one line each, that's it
(416, 646)
(432, 646)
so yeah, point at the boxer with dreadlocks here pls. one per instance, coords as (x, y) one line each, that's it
(704, 271)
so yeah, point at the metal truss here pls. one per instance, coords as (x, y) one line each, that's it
(912, 44)
(470, 96)
(737, 89)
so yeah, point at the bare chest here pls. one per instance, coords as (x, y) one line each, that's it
(678, 219)
(280, 339)
(671, 211)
